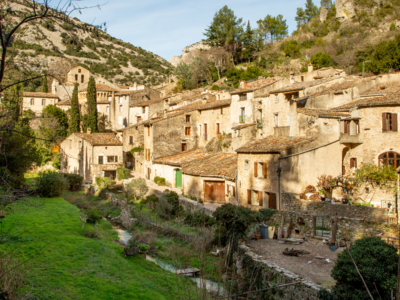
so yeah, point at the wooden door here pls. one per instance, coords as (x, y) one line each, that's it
(178, 180)
(110, 174)
(215, 191)
(272, 200)
(148, 173)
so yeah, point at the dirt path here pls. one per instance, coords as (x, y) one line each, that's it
(317, 271)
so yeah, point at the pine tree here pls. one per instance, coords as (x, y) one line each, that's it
(44, 85)
(326, 3)
(248, 42)
(300, 17)
(311, 10)
(74, 115)
(92, 105)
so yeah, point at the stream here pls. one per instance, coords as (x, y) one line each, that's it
(209, 285)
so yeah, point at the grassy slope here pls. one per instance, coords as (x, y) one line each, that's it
(73, 266)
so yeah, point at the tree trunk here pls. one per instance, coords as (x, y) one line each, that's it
(280, 229)
(289, 231)
(334, 229)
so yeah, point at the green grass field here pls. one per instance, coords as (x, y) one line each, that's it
(72, 266)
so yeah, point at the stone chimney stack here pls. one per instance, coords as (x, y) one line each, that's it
(310, 68)
(88, 130)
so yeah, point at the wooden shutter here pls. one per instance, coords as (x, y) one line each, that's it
(345, 127)
(394, 122)
(384, 122)
(260, 198)
(265, 170)
(233, 191)
(351, 163)
(255, 169)
(249, 197)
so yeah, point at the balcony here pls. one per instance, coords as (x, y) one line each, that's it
(242, 119)
(346, 138)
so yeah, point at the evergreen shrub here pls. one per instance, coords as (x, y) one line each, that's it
(51, 184)
(122, 173)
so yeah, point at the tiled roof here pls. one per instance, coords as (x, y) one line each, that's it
(297, 86)
(103, 102)
(273, 144)
(149, 102)
(221, 164)
(321, 113)
(100, 139)
(243, 126)
(255, 85)
(181, 158)
(101, 87)
(39, 95)
(64, 102)
(197, 96)
(340, 87)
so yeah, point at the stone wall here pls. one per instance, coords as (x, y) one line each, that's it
(272, 275)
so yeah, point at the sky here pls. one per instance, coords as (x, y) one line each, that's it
(165, 27)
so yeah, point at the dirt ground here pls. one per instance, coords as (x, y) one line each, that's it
(317, 271)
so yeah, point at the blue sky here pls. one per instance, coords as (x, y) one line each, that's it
(165, 27)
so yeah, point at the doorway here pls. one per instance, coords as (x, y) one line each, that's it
(205, 131)
(110, 174)
(214, 191)
(178, 179)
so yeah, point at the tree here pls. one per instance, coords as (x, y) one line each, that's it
(44, 85)
(326, 3)
(248, 43)
(92, 105)
(321, 60)
(311, 10)
(60, 116)
(226, 30)
(185, 72)
(300, 17)
(74, 114)
(279, 28)
(377, 262)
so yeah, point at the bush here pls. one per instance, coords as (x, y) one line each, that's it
(133, 242)
(144, 247)
(236, 219)
(265, 214)
(164, 209)
(159, 180)
(122, 173)
(199, 218)
(376, 260)
(151, 201)
(321, 60)
(57, 162)
(91, 233)
(51, 184)
(137, 188)
(74, 181)
(173, 199)
(94, 215)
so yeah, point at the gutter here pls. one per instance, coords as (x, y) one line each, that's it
(279, 171)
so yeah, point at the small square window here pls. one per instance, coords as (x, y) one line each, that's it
(143, 109)
(188, 131)
(277, 99)
(184, 147)
(243, 97)
(187, 119)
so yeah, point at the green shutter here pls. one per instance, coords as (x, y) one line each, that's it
(178, 179)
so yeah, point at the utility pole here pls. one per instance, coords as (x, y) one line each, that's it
(367, 61)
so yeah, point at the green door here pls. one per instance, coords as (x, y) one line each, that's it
(178, 179)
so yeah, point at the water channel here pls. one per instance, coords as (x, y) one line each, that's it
(209, 285)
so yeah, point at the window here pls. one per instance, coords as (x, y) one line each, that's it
(148, 154)
(276, 98)
(112, 159)
(144, 109)
(218, 129)
(276, 120)
(187, 119)
(79, 70)
(243, 97)
(184, 147)
(390, 159)
(187, 131)
(222, 110)
(43, 102)
(139, 119)
(389, 122)
(148, 131)
(120, 108)
(101, 162)
(131, 140)
(302, 78)
(353, 163)
(346, 127)
(260, 170)
(32, 101)
(242, 117)
(76, 77)
(231, 190)
(107, 109)
(82, 78)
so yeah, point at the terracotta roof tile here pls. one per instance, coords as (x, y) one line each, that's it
(100, 139)
(39, 95)
(273, 144)
(149, 102)
(181, 158)
(64, 102)
(340, 87)
(321, 113)
(101, 87)
(255, 85)
(221, 164)
(303, 85)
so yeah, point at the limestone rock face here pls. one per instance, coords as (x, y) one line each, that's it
(345, 10)
(323, 13)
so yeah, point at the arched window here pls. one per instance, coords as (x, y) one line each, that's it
(43, 102)
(32, 101)
(390, 159)
(79, 70)
(76, 77)
(82, 78)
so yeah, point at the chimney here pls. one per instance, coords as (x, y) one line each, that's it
(88, 130)
(291, 78)
(310, 68)
(242, 84)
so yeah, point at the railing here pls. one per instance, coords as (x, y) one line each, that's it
(392, 219)
(242, 119)
(205, 136)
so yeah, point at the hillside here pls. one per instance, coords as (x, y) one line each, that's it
(59, 45)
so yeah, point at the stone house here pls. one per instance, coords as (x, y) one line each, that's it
(78, 74)
(133, 147)
(37, 101)
(91, 155)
